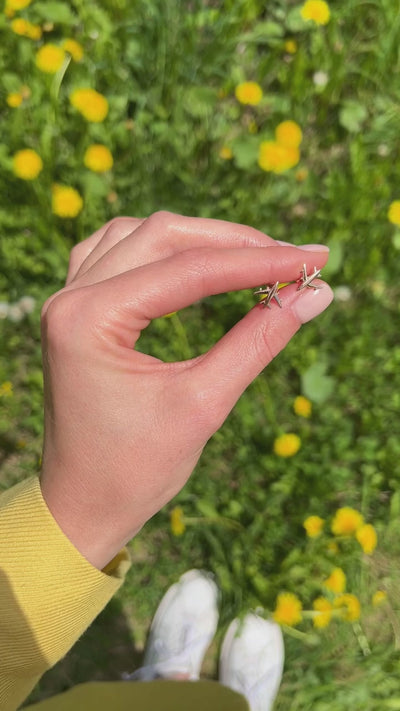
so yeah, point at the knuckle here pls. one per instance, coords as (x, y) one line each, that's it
(162, 220)
(60, 314)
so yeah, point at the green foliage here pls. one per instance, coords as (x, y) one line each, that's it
(169, 70)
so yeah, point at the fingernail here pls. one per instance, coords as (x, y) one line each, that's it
(314, 247)
(312, 302)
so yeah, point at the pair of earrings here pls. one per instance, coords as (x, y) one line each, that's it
(305, 281)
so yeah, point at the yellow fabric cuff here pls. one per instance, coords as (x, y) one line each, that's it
(49, 593)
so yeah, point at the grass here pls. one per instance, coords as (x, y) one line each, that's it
(169, 71)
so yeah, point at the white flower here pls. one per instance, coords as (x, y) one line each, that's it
(15, 314)
(342, 293)
(4, 308)
(320, 78)
(26, 304)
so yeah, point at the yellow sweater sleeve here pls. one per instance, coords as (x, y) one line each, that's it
(49, 593)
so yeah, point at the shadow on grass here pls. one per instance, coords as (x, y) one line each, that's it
(103, 653)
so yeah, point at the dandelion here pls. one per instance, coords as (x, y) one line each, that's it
(288, 609)
(287, 445)
(394, 212)
(291, 46)
(288, 134)
(379, 597)
(320, 78)
(336, 581)
(346, 521)
(98, 158)
(50, 58)
(6, 389)
(66, 201)
(15, 99)
(316, 10)
(342, 293)
(27, 304)
(26, 29)
(367, 538)
(276, 158)
(177, 521)
(16, 5)
(324, 608)
(15, 314)
(349, 605)
(249, 92)
(92, 105)
(313, 526)
(74, 49)
(226, 153)
(301, 175)
(302, 406)
(27, 164)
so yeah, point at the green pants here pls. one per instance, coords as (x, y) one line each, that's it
(161, 695)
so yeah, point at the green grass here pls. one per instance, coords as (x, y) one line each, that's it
(169, 70)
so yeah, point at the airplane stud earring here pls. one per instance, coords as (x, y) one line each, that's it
(271, 292)
(306, 280)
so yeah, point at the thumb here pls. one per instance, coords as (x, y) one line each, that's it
(229, 367)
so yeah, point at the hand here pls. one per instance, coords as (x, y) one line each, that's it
(123, 430)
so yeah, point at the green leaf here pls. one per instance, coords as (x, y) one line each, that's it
(263, 32)
(245, 151)
(396, 240)
(335, 257)
(315, 384)
(206, 508)
(55, 12)
(199, 100)
(352, 115)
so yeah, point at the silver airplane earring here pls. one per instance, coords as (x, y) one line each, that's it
(306, 280)
(271, 292)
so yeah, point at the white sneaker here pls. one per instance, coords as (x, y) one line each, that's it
(182, 629)
(251, 660)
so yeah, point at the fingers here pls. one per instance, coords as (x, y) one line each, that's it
(86, 253)
(222, 374)
(135, 297)
(159, 236)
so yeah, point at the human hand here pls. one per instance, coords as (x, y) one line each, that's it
(124, 430)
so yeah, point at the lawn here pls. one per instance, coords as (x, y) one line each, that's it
(252, 112)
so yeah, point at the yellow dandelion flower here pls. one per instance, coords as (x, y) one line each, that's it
(92, 105)
(249, 92)
(15, 99)
(289, 134)
(301, 175)
(324, 609)
(349, 605)
(332, 548)
(316, 10)
(276, 158)
(74, 49)
(27, 164)
(6, 389)
(20, 26)
(302, 406)
(50, 58)
(225, 153)
(34, 32)
(394, 212)
(336, 581)
(367, 538)
(16, 5)
(288, 609)
(287, 445)
(291, 46)
(379, 597)
(98, 158)
(66, 201)
(177, 521)
(346, 521)
(313, 526)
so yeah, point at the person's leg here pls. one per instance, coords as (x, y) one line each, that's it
(182, 629)
(251, 661)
